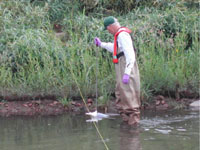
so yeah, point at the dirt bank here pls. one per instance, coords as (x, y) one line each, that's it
(54, 107)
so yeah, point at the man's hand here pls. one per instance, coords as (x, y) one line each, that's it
(97, 41)
(125, 79)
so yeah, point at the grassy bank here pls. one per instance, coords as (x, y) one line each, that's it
(35, 61)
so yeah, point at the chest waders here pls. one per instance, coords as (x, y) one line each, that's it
(127, 95)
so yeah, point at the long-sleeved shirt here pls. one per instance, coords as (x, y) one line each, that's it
(125, 45)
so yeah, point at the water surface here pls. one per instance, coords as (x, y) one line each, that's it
(172, 130)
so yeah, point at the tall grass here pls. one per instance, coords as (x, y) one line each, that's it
(168, 50)
(33, 61)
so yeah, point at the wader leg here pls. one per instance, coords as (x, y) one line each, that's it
(131, 116)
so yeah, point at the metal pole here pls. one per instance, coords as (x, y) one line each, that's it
(97, 71)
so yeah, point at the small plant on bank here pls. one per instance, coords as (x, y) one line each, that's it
(65, 101)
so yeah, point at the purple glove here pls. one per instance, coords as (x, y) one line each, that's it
(125, 79)
(97, 41)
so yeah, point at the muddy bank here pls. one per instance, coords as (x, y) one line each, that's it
(54, 107)
(30, 108)
(43, 107)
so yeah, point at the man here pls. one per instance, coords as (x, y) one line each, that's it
(127, 74)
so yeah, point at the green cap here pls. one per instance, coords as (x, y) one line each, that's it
(108, 21)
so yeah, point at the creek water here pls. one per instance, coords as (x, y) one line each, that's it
(158, 130)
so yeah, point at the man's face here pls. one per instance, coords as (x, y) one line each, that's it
(111, 29)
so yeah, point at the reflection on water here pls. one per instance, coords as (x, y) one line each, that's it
(157, 130)
(129, 138)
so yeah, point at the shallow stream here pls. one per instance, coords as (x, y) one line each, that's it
(165, 130)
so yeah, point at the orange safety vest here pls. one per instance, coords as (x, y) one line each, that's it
(123, 29)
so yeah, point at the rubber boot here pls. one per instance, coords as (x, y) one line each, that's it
(134, 119)
(125, 117)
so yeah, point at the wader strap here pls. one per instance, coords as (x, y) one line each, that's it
(120, 54)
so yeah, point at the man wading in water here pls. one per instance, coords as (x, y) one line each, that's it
(127, 90)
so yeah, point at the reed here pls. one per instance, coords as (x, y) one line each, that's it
(34, 61)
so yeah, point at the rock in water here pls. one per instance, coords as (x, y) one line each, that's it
(195, 104)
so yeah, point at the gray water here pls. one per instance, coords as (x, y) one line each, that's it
(172, 130)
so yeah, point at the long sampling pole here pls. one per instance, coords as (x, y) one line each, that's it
(97, 71)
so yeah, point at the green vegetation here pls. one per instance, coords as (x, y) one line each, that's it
(34, 61)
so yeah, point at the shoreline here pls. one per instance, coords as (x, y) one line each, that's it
(48, 107)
